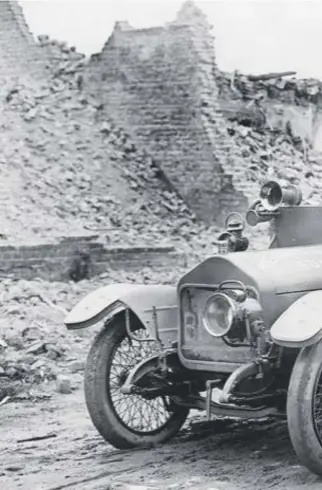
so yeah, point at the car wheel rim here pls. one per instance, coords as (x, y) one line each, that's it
(135, 413)
(317, 407)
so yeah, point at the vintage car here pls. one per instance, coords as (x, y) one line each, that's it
(240, 336)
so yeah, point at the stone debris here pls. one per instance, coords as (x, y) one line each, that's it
(289, 90)
(271, 150)
(274, 154)
(76, 366)
(63, 385)
(69, 170)
(66, 169)
(45, 351)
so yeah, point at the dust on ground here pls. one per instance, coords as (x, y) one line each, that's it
(248, 456)
(45, 363)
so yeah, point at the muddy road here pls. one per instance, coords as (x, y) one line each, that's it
(254, 455)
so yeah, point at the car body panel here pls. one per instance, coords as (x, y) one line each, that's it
(140, 299)
(279, 276)
(297, 226)
(301, 324)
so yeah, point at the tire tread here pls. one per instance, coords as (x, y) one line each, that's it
(101, 411)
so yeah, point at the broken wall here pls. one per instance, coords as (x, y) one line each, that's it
(159, 84)
(19, 53)
(163, 87)
(287, 101)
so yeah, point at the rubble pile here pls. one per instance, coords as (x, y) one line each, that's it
(62, 60)
(81, 174)
(288, 90)
(73, 171)
(274, 154)
(267, 151)
(35, 346)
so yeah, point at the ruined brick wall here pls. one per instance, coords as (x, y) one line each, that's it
(286, 100)
(160, 85)
(19, 53)
(58, 261)
(65, 170)
(163, 87)
(20, 58)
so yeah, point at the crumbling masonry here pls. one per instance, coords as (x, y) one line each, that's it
(129, 136)
(160, 84)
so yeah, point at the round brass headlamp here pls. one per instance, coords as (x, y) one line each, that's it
(219, 314)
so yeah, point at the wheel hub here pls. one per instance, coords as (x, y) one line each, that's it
(134, 388)
(139, 377)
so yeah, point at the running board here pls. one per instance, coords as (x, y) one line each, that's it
(225, 409)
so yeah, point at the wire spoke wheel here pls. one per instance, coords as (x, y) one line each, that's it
(317, 406)
(135, 412)
(127, 421)
(304, 407)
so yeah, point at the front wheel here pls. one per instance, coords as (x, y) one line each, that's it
(304, 407)
(125, 421)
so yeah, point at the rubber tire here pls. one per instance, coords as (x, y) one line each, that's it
(303, 379)
(98, 400)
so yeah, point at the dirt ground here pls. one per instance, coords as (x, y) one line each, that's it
(253, 455)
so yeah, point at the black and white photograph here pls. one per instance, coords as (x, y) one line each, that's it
(160, 245)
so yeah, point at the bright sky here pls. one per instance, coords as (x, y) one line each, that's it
(254, 36)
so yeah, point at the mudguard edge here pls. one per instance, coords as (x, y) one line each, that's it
(301, 324)
(106, 302)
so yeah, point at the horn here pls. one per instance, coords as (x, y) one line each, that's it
(253, 217)
(258, 214)
(273, 195)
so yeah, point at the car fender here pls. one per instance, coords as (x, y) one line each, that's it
(301, 324)
(106, 302)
